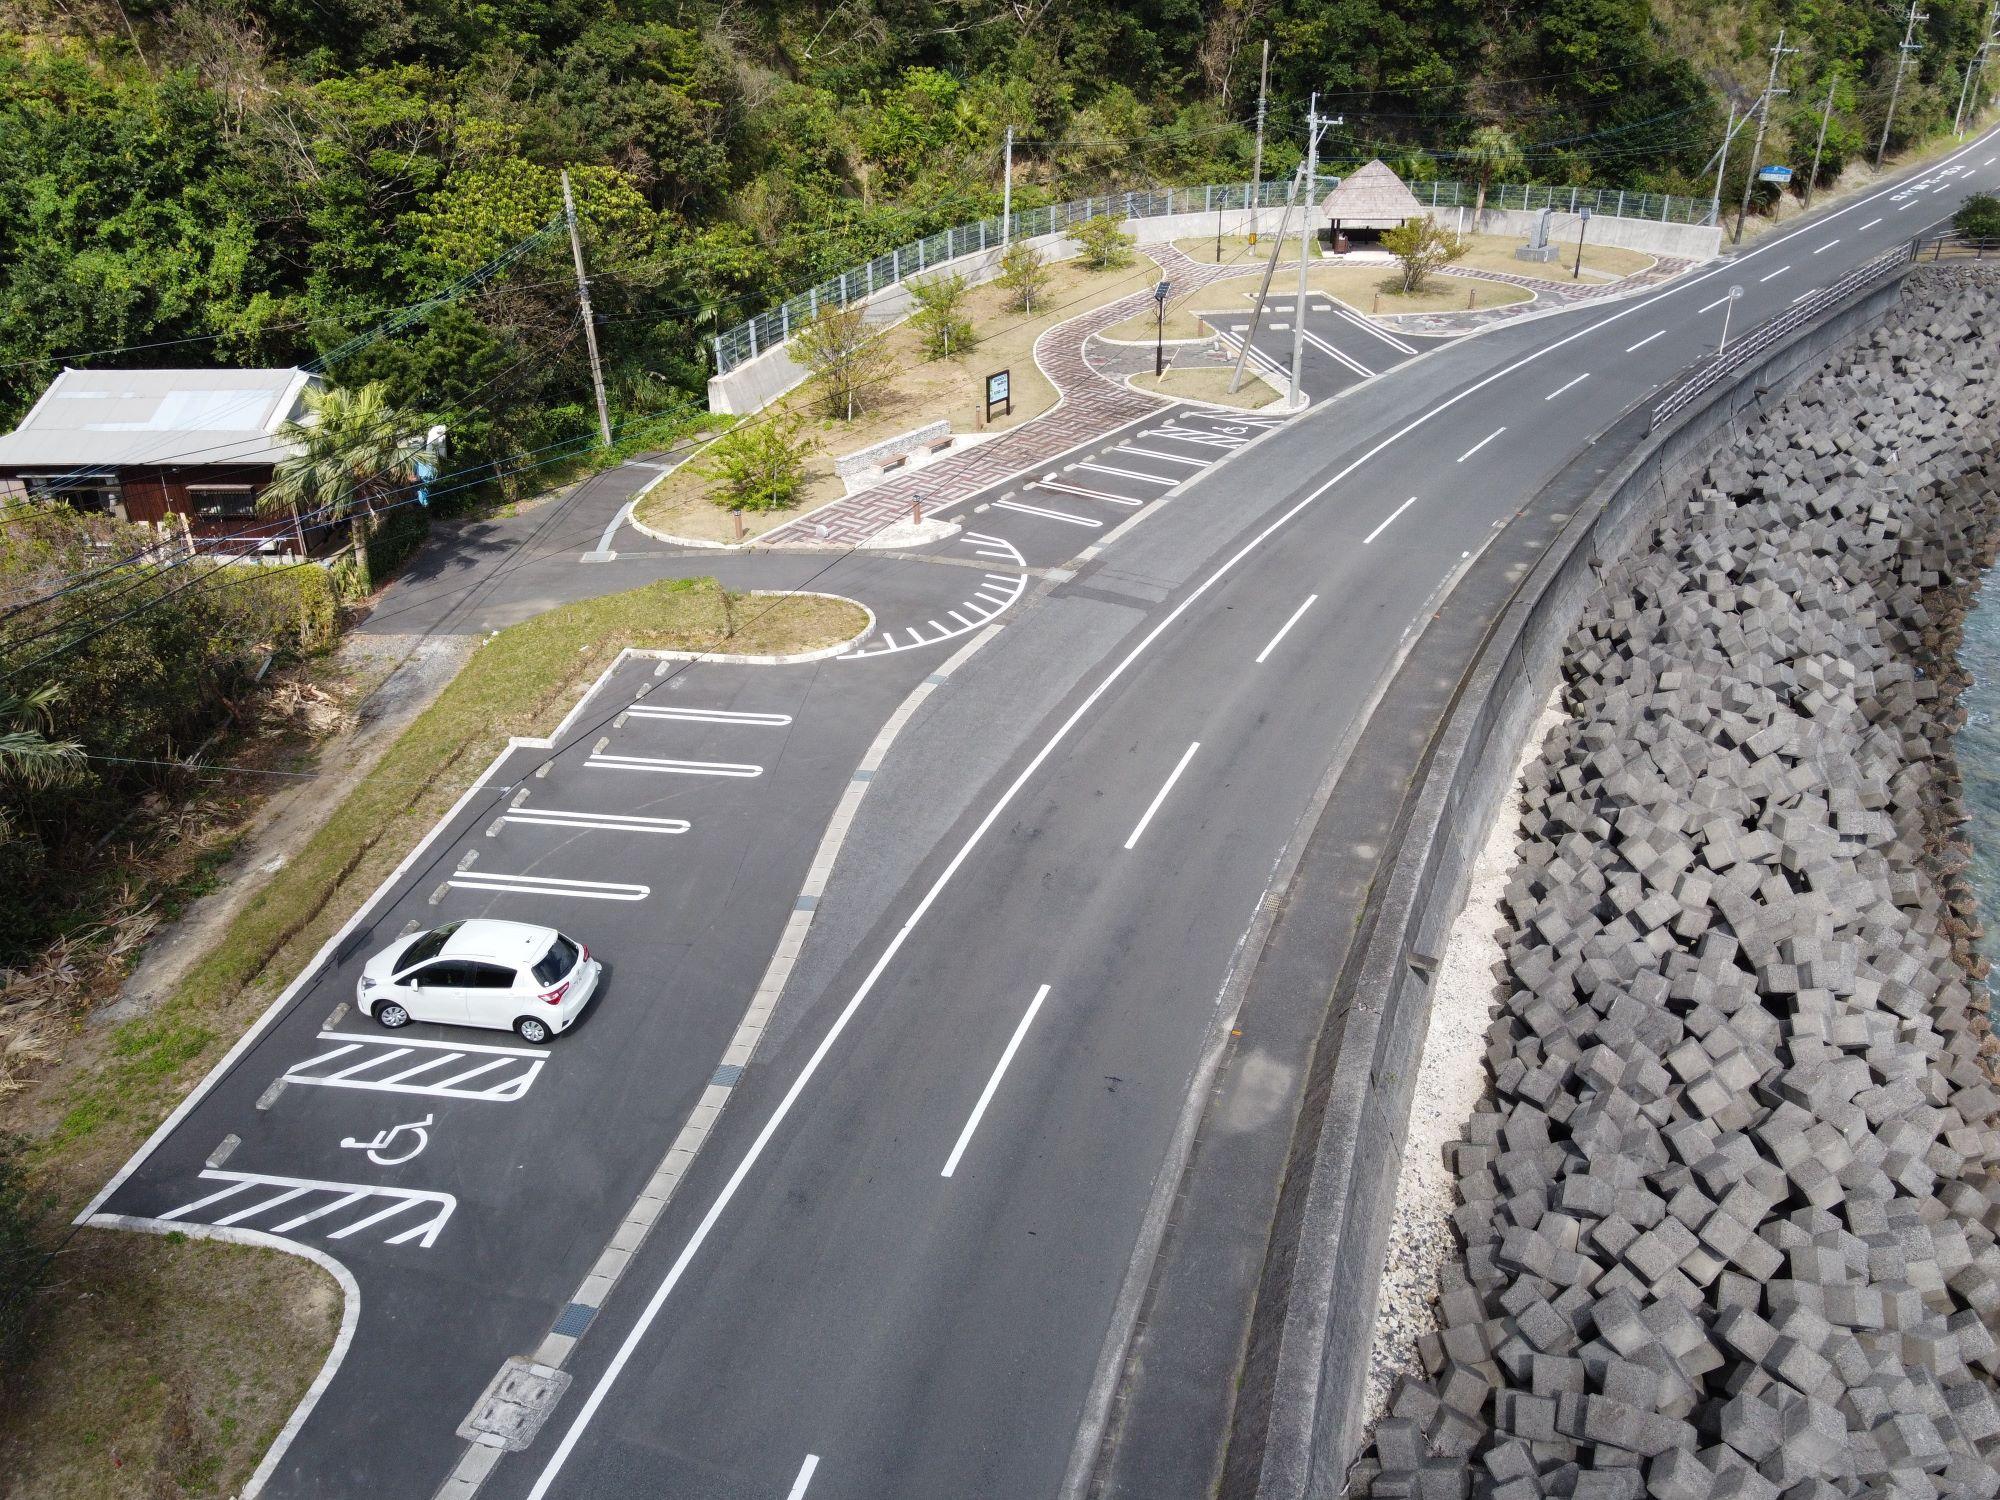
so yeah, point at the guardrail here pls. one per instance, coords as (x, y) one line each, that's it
(1959, 244)
(1807, 309)
(747, 340)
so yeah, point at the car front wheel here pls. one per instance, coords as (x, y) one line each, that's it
(391, 1015)
(533, 1030)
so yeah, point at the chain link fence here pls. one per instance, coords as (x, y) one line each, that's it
(768, 329)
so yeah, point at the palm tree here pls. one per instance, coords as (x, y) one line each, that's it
(352, 446)
(1493, 152)
(29, 760)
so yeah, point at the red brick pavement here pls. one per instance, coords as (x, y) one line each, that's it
(1089, 404)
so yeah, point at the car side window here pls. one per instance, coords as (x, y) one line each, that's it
(440, 974)
(489, 977)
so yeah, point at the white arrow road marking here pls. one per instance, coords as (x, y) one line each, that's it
(290, 1189)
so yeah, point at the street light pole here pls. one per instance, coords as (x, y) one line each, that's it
(1160, 328)
(1308, 231)
(1728, 306)
(1903, 52)
(1825, 115)
(1771, 91)
(1582, 228)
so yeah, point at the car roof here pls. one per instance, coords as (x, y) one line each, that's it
(503, 942)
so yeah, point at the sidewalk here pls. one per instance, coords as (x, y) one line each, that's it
(1090, 402)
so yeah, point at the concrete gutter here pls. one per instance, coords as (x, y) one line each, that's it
(1299, 1414)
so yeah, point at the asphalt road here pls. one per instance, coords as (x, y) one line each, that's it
(893, 1267)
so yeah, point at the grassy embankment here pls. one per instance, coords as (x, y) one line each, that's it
(140, 1380)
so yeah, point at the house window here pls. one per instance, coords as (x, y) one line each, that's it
(93, 496)
(217, 501)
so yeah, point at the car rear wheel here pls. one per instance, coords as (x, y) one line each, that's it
(533, 1030)
(391, 1015)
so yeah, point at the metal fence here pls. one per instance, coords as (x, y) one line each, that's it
(1806, 310)
(769, 329)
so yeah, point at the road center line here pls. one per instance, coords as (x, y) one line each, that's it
(1773, 276)
(1480, 444)
(1869, 225)
(1646, 340)
(1711, 306)
(1161, 795)
(992, 1087)
(805, 1478)
(1561, 388)
(1285, 628)
(754, 1152)
(1827, 246)
(1393, 514)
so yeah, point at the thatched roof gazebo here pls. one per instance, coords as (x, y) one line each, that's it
(1372, 198)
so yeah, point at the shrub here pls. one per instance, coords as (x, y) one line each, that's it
(1978, 217)
(1105, 246)
(1421, 245)
(940, 318)
(1024, 274)
(23, 1260)
(849, 363)
(758, 465)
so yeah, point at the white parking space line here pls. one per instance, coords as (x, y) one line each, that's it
(518, 1081)
(1869, 225)
(1165, 479)
(366, 1063)
(611, 822)
(805, 1478)
(666, 767)
(1285, 629)
(548, 885)
(1561, 388)
(1629, 348)
(999, 1072)
(994, 548)
(708, 715)
(345, 1194)
(1172, 458)
(1346, 314)
(1827, 246)
(1480, 444)
(1341, 355)
(1161, 795)
(1773, 276)
(1077, 489)
(443, 1061)
(1390, 521)
(1053, 515)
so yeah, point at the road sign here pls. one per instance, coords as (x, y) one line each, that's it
(998, 394)
(1777, 174)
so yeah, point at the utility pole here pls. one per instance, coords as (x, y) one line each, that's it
(1007, 194)
(589, 319)
(1991, 44)
(1264, 286)
(1257, 160)
(1903, 52)
(1721, 165)
(1771, 91)
(1977, 69)
(1825, 115)
(1308, 230)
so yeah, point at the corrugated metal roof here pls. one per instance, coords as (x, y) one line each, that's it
(121, 418)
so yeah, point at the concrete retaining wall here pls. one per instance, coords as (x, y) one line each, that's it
(1688, 241)
(1319, 1359)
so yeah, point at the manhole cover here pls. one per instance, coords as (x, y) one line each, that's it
(515, 1405)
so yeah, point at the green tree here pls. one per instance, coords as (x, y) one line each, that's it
(849, 361)
(759, 464)
(1105, 246)
(1420, 247)
(29, 760)
(1978, 217)
(353, 445)
(1491, 154)
(940, 318)
(1024, 274)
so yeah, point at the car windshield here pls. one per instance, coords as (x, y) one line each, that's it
(427, 947)
(558, 961)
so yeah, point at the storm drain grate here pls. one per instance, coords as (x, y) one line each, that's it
(575, 1318)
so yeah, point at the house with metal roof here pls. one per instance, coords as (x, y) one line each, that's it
(146, 445)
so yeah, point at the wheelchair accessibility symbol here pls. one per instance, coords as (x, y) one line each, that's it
(378, 1149)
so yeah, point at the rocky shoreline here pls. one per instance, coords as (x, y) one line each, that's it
(1728, 1213)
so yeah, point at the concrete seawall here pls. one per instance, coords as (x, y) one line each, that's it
(1299, 1418)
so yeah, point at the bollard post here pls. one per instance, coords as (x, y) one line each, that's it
(736, 516)
(917, 510)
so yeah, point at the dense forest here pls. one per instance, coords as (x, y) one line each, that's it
(257, 181)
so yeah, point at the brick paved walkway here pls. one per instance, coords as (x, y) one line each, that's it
(1089, 403)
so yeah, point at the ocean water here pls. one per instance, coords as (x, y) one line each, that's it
(1979, 758)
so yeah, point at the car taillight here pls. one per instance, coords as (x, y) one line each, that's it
(554, 996)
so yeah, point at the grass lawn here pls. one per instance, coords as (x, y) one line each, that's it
(1361, 287)
(1495, 252)
(1238, 251)
(138, 1364)
(921, 391)
(1209, 385)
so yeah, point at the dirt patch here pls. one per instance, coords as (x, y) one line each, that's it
(921, 392)
(1601, 263)
(141, 1385)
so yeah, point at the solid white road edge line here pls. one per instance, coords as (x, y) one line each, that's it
(805, 1478)
(1284, 629)
(1161, 795)
(758, 1146)
(993, 1084)
(1480, 444)
(1392, 516)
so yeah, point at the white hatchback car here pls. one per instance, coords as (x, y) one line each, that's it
(506, 975)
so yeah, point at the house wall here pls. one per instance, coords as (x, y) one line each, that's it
(152, 495)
